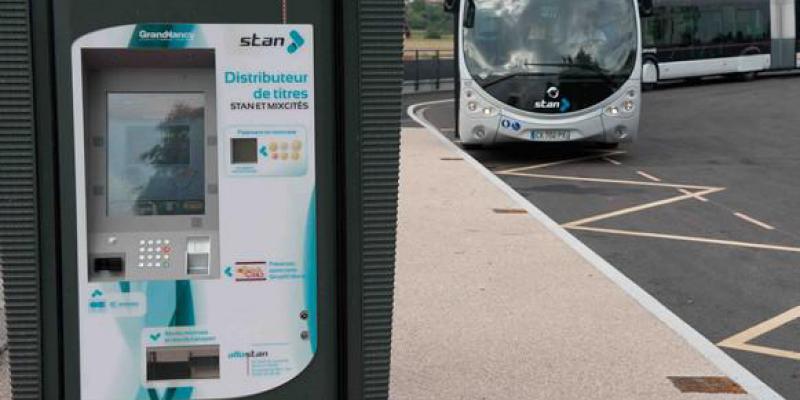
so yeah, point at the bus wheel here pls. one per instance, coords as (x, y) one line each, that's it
(471, 146)
(746, 76)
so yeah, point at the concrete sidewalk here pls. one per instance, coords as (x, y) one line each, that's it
(495, 306)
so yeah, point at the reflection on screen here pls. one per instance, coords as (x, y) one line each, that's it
(156, 154)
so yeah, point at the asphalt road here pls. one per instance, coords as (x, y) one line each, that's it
(702, 211)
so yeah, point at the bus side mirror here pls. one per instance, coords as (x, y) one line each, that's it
(450, 5)
(469, 15)
(645, 8)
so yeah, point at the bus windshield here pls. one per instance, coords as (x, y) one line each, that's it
(517, 49)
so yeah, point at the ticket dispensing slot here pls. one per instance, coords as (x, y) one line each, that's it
(182, 362)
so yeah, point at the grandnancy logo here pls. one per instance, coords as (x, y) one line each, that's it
(256, 40)
(165, 35)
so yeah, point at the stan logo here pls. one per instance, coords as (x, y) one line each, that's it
(255, 40)
(553, 103)
(297, 42)
(565, 105)
(547, 105)
(247, 354)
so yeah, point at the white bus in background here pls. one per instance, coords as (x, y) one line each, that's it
(694, 38)
(547, 70)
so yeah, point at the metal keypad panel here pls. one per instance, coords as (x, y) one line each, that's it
(147, 256)
(154, 253)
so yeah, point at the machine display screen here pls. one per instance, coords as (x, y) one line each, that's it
(244, 151)
(156, 154)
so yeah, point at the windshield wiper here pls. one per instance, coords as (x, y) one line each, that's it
(499, 79)
(591, 68)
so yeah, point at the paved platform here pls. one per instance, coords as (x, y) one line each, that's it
(490, 304)
(495, 306)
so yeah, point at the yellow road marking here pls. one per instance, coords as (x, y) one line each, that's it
(697, 239)
(640, 207)
(613, 161)
(648, 176)
(688, 192)
(560, 162)
(603, 180)
(701, 198)
(754, 221)
(739, 340)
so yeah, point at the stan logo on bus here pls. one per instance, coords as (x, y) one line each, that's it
(547, 105)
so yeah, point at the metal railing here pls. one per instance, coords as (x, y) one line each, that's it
(428, 66)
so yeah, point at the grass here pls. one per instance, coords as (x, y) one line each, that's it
(417, 41)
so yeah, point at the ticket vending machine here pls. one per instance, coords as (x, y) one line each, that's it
(214, 198)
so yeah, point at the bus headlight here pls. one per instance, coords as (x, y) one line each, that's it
(472, 106)
(628, 105)
(488, 111)
(468, 94)
(612, 111)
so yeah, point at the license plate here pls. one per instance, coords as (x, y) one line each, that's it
(550, 135)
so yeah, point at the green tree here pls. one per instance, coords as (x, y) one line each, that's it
(428, 17)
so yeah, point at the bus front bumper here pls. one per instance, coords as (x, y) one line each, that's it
(597, 128)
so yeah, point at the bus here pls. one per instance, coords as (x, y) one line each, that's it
(695, 38)
(547, 71)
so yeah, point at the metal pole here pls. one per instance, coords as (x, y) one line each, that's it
(416, 70)
(438, 73)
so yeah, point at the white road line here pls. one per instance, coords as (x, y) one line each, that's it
(559, 162)
(754, 221)
(697, 239)
(714, 354)
(613, 161)
(696, 196)
(648, 176)
(739, 340)
(635, 209)
(604, 180)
